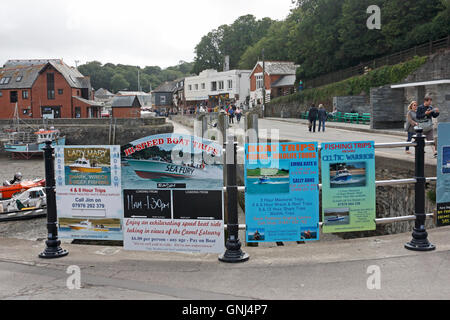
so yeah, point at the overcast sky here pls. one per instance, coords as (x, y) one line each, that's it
(137, 32)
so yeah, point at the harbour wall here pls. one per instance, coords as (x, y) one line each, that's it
(97, 131)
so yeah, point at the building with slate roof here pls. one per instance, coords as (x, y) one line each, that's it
(163, 97)
(126, 107)
(45, 88)
(279, 80)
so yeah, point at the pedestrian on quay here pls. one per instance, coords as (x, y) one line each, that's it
(230, 115)
(411, 122)
(425, 114)
(312, 117)
(238, 113)
(322, 115)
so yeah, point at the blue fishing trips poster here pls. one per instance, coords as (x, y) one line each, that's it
(348, 186)
(282, 194)
(443, 175)
(173, 194)
(88, 192)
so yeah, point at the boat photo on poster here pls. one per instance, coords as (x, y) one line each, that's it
(183, 161)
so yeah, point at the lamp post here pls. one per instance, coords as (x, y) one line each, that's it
(420, 241)
(53, 249)
(233, 253)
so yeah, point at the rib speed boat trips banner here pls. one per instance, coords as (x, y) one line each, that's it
(443, 175)
(348, 186)
(173, 194)
(88, 192)
(282, 194)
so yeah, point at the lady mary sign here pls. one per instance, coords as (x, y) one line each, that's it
(88, 192)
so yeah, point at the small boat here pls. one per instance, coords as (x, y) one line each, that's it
(84, 165)
(342, 176)
(27, 147)
(263, 180)
(87, 226)
(31, 199)
(159, 168)
(8, 191)
(334, 219)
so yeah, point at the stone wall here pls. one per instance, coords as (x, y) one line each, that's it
(285, 110)
(387, 108)
(99, 131)
(346, 104)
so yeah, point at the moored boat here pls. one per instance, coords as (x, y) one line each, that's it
(8, 191)
(27, 147)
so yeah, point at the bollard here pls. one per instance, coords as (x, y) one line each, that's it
(420, 241)
(233, 253)
(53, 249)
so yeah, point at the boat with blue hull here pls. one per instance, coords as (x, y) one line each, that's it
(342, 176)
(20, 146)
(155, 169)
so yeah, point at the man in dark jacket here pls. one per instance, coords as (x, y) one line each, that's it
(426, 111)
(322, 115)
(312, 117)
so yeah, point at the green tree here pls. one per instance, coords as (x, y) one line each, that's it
(118, 82)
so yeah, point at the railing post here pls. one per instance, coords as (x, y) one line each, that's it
(233, 253)
(420, 241)
(53, 249)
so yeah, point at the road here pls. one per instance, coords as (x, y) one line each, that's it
(319, 270)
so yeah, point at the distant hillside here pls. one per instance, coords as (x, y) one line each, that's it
(125, 77)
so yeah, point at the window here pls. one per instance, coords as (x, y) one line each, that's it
(50, 86)
(13, 96)
(221, 85)
(19, 78)
(213, 86)
(259, 81)
(5, 80)
(230, 84)
(190, 87)
(196, 87)
(77, 112)
(203, 86)
(25, 94)
(162, 99)
(60, 91)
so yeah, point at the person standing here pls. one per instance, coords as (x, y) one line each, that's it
(312, 117)
(231, 115)
(322, 115)
(238, 114)
(425, 114)
(411, 122)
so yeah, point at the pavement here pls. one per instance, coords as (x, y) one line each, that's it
(340, 269)
(328, 269)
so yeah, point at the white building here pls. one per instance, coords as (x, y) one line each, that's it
(216, 87)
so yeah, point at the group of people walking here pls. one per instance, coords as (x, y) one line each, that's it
(421, 116)
(233, 111)
(317, 114)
